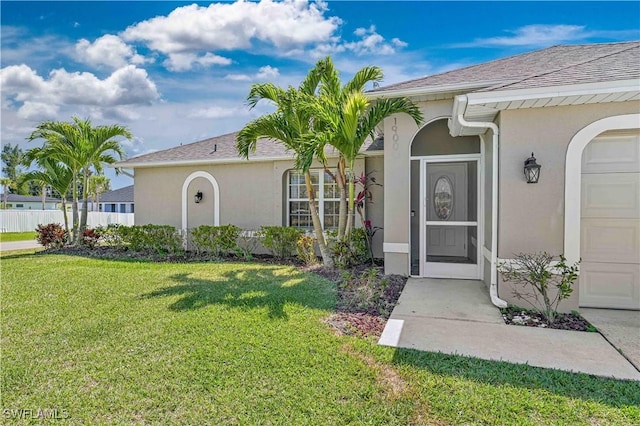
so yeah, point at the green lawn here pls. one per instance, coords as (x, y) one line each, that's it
(6, 237)
(116, 342)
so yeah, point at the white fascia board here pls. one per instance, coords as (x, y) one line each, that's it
(445, 88)
(620, 86)
(145, 164)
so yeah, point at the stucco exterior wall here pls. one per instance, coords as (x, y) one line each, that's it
(374, 209)
(532, 216)
(252, 194)
(400, 130)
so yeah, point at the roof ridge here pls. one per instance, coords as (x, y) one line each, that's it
(636, 44)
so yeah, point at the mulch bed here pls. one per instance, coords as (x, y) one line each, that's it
(513, 315)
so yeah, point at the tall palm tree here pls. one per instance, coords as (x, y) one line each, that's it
(291, 125)
(345, 119)
(83, 149)
(57, 176)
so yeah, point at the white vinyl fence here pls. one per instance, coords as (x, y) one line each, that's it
(28, 220)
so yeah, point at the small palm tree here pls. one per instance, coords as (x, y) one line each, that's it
(98, 185)
(346, 118)
(56, 176)
(83, 149)
(291, 125)
(6, 183)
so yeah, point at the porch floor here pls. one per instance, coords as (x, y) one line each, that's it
(457, 317)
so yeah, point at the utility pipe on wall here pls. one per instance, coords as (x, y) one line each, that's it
(493, 288)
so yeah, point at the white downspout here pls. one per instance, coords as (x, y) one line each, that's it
(493, 288)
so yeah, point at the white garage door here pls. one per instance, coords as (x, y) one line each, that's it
(610, 225)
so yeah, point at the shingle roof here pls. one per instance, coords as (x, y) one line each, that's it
(124, 194)
(218, 148)
(563, 64)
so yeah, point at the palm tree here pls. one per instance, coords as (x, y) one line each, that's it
(6, 183)
(55, 175)
(98, 184)
(291, 125)
(83, 149)
(346, 117)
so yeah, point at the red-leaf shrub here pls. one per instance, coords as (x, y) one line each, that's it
(51, 235)
(91, 237)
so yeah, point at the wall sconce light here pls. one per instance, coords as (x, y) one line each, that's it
(532, 169)
(198, 197)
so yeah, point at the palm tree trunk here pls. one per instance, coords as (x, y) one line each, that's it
(44, 196)
(317, 226)
(64, 213)
(85, 206)
(75, 207)
(342, 181)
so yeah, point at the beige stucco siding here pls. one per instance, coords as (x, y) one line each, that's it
(375, 208)
(532, 216)
(399, 131)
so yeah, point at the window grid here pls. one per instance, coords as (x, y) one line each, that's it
(327, 199)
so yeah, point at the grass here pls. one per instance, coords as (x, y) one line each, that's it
(6, 237)
(116, 342)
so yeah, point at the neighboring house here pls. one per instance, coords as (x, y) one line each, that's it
(30, 202)
(455, 201)
(116, 201)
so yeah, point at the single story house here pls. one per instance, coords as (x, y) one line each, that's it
(30, 202)
(116, 201)
(455, 201)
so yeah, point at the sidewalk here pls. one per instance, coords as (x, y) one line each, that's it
(19, 245)
(457, 317)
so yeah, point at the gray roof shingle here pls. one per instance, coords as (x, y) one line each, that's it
(220, 148)
(568, 61)
(15, 198)
(121, 195)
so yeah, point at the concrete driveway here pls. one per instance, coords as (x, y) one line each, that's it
(19, 245)
(621, 328)
(457, 317)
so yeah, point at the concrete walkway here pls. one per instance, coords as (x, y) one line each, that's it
(19, 245)
(620, 328)
(457, 317)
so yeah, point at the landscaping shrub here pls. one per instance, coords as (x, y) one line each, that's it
(352, 250)
(364, 293)
(217, 240)
(536, 280)
(248, 241)
(305, 247)
(279, 240)
(161, 239)
(114, 235)
(51, 235)
(91, 237)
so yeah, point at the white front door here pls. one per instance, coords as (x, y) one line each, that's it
(449, 246)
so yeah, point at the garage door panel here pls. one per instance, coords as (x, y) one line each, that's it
(610, 285)
(611, 195)
(612, 154)
(611, 240)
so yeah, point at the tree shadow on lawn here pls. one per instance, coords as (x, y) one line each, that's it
(249, 289)
(612, 392)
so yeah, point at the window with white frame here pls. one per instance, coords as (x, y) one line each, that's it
(327, 199)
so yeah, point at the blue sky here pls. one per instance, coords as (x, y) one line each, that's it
(178, 72)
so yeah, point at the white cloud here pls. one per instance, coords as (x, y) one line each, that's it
(287, 25)
(38, 111)
(369, 43)
(217, 112)
(186, 61)
(125, 86)
(264, 73)
(108, 50)
(541, 35)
